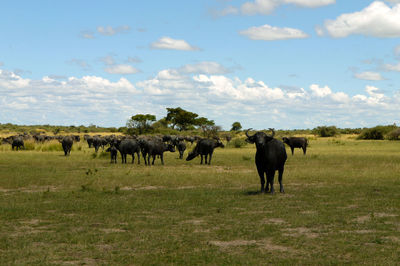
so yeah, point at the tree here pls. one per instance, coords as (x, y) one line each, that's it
(181, 118)
(236, 126)
(140, 122)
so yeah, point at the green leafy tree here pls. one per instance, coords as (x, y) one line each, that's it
(140, 123)
(236, 126)
(181, 118)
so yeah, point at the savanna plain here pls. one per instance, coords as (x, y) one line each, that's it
(341, 206)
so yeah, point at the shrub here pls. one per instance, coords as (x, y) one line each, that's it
(237, 143)
(377, 132)
(325, 131)
(394, 134)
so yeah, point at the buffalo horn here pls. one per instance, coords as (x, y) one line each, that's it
(247, 133)
(273, 132)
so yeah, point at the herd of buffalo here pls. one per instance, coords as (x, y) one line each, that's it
(270, 152)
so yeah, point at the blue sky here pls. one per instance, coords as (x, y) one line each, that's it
(265, 63)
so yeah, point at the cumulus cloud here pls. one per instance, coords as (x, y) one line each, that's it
(391, 67)
(110, 31)
(204, 68)
(173, 44)
(94, 99)
(265, 7)
(377, 20)
(122, 69)
(368, 75)
(270, 33)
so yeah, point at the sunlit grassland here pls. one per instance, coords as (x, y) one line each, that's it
(342, 205)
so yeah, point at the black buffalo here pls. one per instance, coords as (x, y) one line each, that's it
(270, 156)
(113, 152)
(129, 146)
(181, 146)
(204, 147)
(96, 142)
(17, 143)
(296, 142)
(67, 144)
(152, 148)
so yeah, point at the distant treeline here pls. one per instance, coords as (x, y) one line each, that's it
(391, 132)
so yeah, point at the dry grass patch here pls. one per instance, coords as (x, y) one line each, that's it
(300, 231)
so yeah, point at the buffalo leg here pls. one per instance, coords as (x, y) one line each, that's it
(201, 155)
(292, 148)
(304, 150)
(206, 158)
(154, 158)
(280, 171)
(162, 159)
(262, 179)
(138, 158)
(270, 181)
(133, 158)
(209, 159)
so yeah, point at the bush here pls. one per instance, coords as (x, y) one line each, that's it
(237, 143)
(325, 131)
(394, 134)
(377, 133)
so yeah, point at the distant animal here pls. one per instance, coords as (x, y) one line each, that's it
(270, 156)
(17, 143)
(89, 140)
(66, 143)
(152, 148)
(181, 146)
(129, 146)
(113, 152)
(96, 142)
(204, 147)
(296, 142)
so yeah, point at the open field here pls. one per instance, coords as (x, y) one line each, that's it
(342, 205)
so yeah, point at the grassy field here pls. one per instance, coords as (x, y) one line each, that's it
(342, 205)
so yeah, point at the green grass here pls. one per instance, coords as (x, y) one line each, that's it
(341, 206)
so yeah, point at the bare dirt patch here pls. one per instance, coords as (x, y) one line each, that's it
(112, 230)
(300, 231)
(265, 244)
(274, 221)
(366, 218)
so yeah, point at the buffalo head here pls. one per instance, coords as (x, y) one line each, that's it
(259, 138)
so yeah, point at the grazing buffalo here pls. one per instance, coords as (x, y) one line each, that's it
(97, 142)
(129, 146)
(154, 148)
(113, 152)
(67, 144)
(295, 142)
(270, 156)
(17, 143)
(204, 147)
(89, 140)
(181, 146)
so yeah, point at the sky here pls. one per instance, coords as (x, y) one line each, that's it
(285, 64)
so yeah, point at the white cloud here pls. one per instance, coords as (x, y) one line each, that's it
(94, 99)
(265, 7)
(377, 20)
(110, 31)
(122, 69)
(173, 44)
(368, 75)
(390, 67)
(204, 68)
(87, 34)
(270, 33)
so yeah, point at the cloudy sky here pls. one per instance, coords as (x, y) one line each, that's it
(265, 63)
